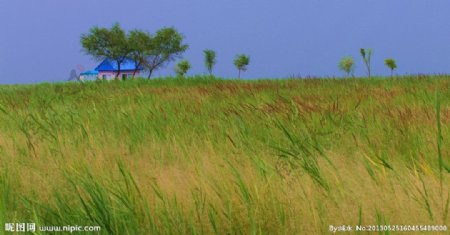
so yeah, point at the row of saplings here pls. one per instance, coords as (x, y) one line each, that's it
(147, 51)
(347, 64)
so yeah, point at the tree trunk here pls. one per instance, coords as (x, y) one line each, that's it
(136, 69)
(118, 70)
(239, 74)
(150, 72)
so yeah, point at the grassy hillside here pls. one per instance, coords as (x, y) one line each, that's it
(227, 157)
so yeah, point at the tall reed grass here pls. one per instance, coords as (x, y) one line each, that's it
(212, 156)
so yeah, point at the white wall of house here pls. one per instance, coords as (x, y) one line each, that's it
(110, 75)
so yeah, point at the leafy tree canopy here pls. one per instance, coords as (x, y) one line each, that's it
(210, 60)
(167, 45)
(347, 64)
(146, 51)
(182, 68)
(141, 46)
(102, 43)
(241, 62)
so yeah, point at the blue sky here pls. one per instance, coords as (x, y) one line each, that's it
(39, 40)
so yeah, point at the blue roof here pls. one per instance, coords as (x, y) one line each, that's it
(89, 72)
(111, 65)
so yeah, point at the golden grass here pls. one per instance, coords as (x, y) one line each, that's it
(206, 158)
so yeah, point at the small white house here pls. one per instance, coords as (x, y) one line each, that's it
(108, 70)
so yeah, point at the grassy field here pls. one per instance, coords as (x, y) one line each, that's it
(204, 156)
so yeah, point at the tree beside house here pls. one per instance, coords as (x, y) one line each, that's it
(127, 55)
